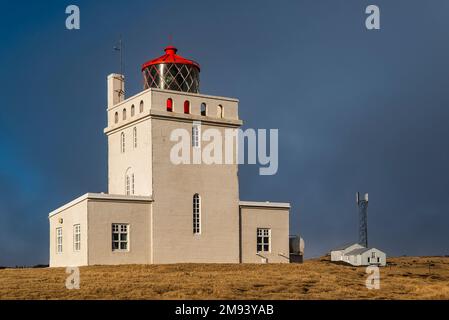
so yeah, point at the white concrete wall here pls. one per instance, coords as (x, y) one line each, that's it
(102, 214)
(174, 188)
(364, 257)
(276, 219)
(71, 214)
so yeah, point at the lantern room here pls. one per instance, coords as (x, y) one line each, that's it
(172, 72)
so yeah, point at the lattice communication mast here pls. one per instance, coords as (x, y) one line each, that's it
(362, 205)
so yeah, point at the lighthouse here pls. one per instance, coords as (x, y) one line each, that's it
(156, 211)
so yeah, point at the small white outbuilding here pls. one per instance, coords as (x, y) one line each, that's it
(358, 255)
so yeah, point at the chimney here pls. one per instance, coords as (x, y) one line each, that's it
(116, 89)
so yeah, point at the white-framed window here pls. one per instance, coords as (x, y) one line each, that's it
(196, 214)
(76, 237)
(135, 137)
(59, 240)
(196, 134)
(122, 142)
(120, 237)
(263, 239)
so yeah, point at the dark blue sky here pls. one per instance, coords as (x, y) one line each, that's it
(357, 110)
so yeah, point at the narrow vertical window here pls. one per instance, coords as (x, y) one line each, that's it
(124, 114)
(135, 137)
(122, 142)
(76, 237)
(203, 109)
(220, 111)
(263, 240)
(187, 107)
(169, 105)
(141, 107)
(120, 237)
(116, 117)
(196, 133)
(132, 184)
(133, 111)
(196, 214)
(59, 240)
(127, 185)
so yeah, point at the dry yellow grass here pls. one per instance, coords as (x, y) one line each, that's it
(409, 278)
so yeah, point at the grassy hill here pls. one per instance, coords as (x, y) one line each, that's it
(406, 278)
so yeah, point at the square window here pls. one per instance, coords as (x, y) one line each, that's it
(263, 240)
(120, 237)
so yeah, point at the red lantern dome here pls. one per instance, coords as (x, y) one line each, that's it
(172, 72)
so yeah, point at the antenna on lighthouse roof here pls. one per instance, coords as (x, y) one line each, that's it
(119, 48)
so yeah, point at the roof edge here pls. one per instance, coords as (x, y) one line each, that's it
(267, 204)
(99, 196)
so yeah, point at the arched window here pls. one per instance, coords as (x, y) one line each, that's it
(141, 107)
(196, 214)
(133, 110)
(122, 143)
(203, 109)
(220, 113)
(135, 137)
(187, 107)
(116, 117)
(124, 114)
(169, 105)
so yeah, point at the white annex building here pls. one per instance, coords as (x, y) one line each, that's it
(358, 255)
(159, 212)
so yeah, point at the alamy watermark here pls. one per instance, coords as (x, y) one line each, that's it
(211, 146)
(73, 280)
(373, 279)
(72, 22)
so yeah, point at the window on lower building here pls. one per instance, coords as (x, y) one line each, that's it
(196, 214)
(59, 240)
(263, 240)
(135, 137)
(120, 237)
(378, 259)
(76, 237)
